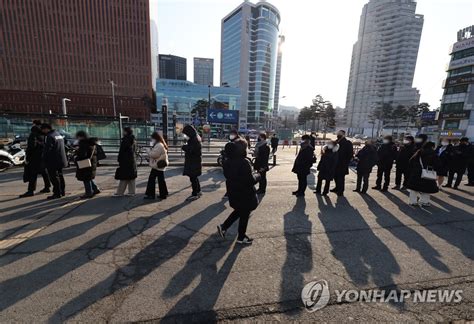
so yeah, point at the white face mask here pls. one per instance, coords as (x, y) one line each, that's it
(386, 141)
(406, 142)
(445, 143)
(186, 137)
(418, 140)
(232, 137)
(330, 146)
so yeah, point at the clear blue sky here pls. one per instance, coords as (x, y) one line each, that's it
(319, 38)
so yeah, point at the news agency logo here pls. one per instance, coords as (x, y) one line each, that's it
(315, 295)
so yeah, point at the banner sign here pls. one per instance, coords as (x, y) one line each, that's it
(456, 115)
(428, 115)
(453, 133)
(469, 78)
(221, 116)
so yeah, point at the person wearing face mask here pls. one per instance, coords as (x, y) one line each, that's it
(387, 153)
(346, 153)
(303, 163)
(274, 143)
(420, 140)
(240, 183)
(443, 151)
(327, 167)
(366, 160)
(126, 173)
(158, 162)
(262, 154)
(458, 163)
(233, 136)
(403, 162)
(192, 160)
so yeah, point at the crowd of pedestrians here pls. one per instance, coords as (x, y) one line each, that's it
(420, 167)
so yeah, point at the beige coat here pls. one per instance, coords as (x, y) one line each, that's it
(158, 153)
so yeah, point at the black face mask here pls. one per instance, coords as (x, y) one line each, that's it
(340, 136)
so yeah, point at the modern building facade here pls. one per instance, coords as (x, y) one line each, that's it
(383, 61)
(183, 95)
(249, 52)
(172, 67)
(50, 50)
(204, 71)
(456, 117)
(278, 76)
(154, 52)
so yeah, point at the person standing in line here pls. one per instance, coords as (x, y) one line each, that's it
(274, 143)
(420, 140)
(34, 164)
(346, 152)
(249, 143)
(262, 154)
(312, 139)
(126, 173)
(470, 165)
(421, 188)
(387, 153)
(87, 150)
(54, 157)
(303, 163)
(443, 151)
(327, 167)
(158, 163)
(192, 160)
(403, 161)
(240, 182)
(366, 160)
(458, 163)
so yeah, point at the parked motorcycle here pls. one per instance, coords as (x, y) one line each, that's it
(11, 155)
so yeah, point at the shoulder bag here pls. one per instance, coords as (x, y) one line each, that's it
(427, 174)
(86, 163)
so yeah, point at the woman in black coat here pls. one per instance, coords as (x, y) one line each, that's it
(127, 170)
(87, 150)
(366, 159)
(303, 163)
(262, 154)
(443, 151)
(192, 160)
(424, 158)
(240, 182)
(327, 167)
(34, 164)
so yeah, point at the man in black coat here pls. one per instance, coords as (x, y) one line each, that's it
(346, 152)
(34, 161)
(192, 160)
(54, 157)
(403, 162)
(303, 163)
(458, 163)
(274, 143)
(366, 160)
(262, 154)
(387, 153)
(470, 166)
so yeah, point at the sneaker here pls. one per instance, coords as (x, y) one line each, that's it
(221, 231)
(45, 190)
(27, 194)
(53, 197)
(245, 240)
(192, 198)
(96, 192)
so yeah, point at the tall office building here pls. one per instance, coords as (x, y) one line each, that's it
(172, 67)
(51, 50)
(383, 60)
(154, 52)
(278, 76)
(203, 71)
(249, 50)
(456, 116)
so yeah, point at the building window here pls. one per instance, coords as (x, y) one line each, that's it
(452, 107)
(456, 89)
(451, 124)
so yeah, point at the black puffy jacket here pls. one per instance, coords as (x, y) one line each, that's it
(54, 154)
(304, 160)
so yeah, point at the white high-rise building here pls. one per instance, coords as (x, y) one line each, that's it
(154, 52)
(383, 60)
(278, 76)
(249, 51)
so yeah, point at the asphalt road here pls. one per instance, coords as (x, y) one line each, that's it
(121, 259)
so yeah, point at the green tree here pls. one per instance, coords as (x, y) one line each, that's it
(398, 115)
(200, 108)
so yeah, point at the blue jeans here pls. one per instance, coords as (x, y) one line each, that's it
(90, 187)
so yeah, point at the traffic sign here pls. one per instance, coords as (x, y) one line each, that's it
(221, 116)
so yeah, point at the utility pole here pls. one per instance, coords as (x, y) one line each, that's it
(164, 111)
(113, 84)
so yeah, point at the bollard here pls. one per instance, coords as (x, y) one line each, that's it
(274, 160)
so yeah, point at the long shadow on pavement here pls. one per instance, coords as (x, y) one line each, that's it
(150, 258)
(18, 288)
(299, 256)
(405, 234)
(440, 227)
(198, 305)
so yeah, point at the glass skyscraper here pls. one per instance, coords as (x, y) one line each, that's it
(249, 50)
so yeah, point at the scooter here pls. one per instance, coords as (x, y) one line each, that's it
(11, 155)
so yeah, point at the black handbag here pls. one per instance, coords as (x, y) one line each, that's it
(161, 164)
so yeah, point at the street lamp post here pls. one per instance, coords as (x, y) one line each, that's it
(208, 103)
(164, 111)
(64, 100)
(113, 84)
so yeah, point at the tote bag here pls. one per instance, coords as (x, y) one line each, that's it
(86, 163)
(427, 174)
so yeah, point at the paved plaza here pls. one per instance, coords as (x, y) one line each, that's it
(124, 259)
